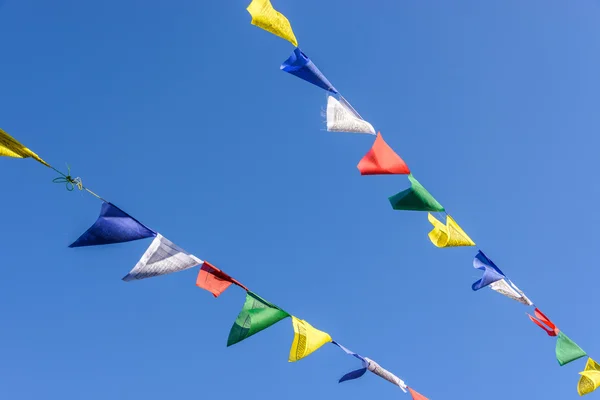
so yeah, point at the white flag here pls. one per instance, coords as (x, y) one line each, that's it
(341, 119)
(162, 257)
(385, 374)
(510, 290)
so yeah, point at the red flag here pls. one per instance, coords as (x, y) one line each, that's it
(553, 331)
(381, 159)
(214, 280)
(416, 395)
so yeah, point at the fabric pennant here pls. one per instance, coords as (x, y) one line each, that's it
(214, 280)
(11, 147)
(162, 257)
(417, 198)
(590, 378)
(113, 226)
(353, 374)
(341, 119)
(507, 288)
(382, 160)
(306, 339)
(449, 235)
(544, 322)
(385, 374)
(491, 273)
(300, 65)
(416, 395)
(256, 315)
(567, 350)
(266, 17)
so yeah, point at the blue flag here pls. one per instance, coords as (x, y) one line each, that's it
(300, 65)
(491, 273)
(113, 226)
(353, 374)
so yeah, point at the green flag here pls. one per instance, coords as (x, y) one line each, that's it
(257, 314)
(417, 198)
(567, 350)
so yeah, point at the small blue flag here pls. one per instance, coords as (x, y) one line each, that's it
(300, 65)
(491, 273)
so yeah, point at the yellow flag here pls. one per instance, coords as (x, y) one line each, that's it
(306, 339)
(266, 17)
(449, 235)
(590, 378)
(10, 147)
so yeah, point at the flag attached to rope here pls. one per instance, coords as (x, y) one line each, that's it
(416, 395)
(385, 374)
(590, 378)
(256, 315)
(113, 226)
(507, 288)
(266, 17)
(162, 257)
(307, 339)
(567, 350)
(491, 273)
(341, 119)
(356, 373)
(300, 65)
(11, 147)
(417, 198)
(449, 235)
(544, 322)
(382, 160)
(214, 280)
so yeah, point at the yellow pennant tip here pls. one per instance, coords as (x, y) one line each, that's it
(449, 235)
(307, 339)
(266, 17)
(11, 147)
(590, 378)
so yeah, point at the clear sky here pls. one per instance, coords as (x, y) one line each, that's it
(176, 111)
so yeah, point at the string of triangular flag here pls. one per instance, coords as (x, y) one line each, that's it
(381, 159)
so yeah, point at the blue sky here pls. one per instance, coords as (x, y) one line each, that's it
(177, 112)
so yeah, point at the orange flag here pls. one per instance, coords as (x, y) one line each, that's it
(382, 160)
(416, 395)
(214, 280)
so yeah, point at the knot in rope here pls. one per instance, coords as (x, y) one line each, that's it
(68, 180)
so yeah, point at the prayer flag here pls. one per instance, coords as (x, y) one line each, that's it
(544, 321)
(385, 374)
(381, 160)
(306, 339)
(507, 288)
(416, 395)
(266, 17)
(567, 350)
(417, 198)
(214, 280)
(491, 273)
(162, 257)
(341, 119)
(113, 226)
(256, 315)
(11, 147)
(590, 378)
(449, 235)
(300, 65)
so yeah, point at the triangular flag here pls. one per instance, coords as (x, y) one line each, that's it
(113, 226)
(588, 382)
(214, 280)
(256, 315)
(510, 290)
(342, 119)
(162, 257)
(11, 147)
(491, 273)
(544, 322)
(266, 17)
(416, 395)
(449, 235)
(382, 160)
(417, 198)
(306, 339)
(567, 350)
(590, 378)
(385, 374)
(353, 374)
(300, 65)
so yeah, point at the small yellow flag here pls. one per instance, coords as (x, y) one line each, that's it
(590, 378)
(449, 235)
(306, 339)
(10, 147)
(266, 17)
